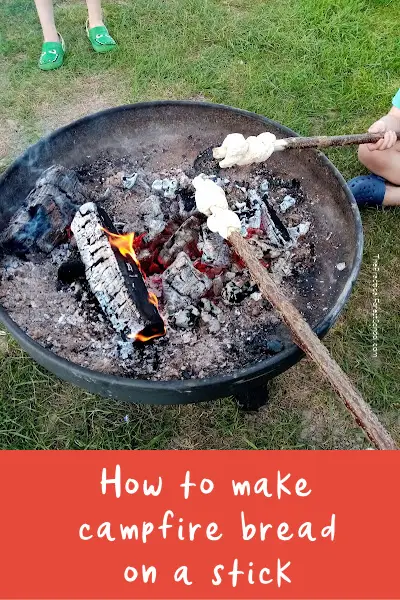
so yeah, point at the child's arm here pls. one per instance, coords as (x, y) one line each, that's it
(390, 124)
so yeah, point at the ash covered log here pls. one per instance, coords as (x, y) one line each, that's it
(42, 222)
(116, 281)
(183, 284)
(215, 251)
(187, 234)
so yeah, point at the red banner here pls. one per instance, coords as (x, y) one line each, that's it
(209, 524)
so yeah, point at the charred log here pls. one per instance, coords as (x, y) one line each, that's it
(116, 281)
(42, 222)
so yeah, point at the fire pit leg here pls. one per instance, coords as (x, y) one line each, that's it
(252, 399)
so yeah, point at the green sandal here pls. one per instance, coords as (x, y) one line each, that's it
(52, 56)
(100, 39)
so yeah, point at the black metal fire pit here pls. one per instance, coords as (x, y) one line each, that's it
(168, 133)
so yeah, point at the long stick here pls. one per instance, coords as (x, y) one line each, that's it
(324, 141)
(309, 342)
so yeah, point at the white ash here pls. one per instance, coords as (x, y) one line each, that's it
(281, 267)
(61, 254)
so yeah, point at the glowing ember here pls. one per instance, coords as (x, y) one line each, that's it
(125, 246)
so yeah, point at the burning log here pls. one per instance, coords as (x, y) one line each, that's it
(48, 210)
(114, 276)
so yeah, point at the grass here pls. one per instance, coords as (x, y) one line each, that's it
(318, 67)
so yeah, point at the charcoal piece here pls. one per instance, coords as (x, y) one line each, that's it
(129, 181)
(116, 282)
(255, 210)
(299, 231)
(41, 223)
(276, 230)
(206, 163)
(165, 187)
(186, 202)
(71, 271)
(170, 187)
(215, 251)
(187, 317)
(183, 284)
(287, 203)
(188, 233)
(153, 217)
(235, 294)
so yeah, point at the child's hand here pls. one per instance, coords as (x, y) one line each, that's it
(390, 124)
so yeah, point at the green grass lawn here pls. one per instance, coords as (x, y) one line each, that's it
(322, 67)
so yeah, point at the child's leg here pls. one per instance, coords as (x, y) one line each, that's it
(392, 196)
(385, 163)
(46, 17)
(95, 13)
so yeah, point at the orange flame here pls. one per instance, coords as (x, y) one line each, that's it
(124, 245)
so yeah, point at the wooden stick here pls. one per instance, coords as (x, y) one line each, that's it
(309, 342)
(329, 141)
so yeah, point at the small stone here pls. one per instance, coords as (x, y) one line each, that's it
(264, 186)
(341, 266)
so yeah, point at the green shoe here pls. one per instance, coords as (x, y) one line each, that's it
(52, 56)
(100, 39)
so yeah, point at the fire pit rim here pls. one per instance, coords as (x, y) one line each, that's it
(272, 364)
